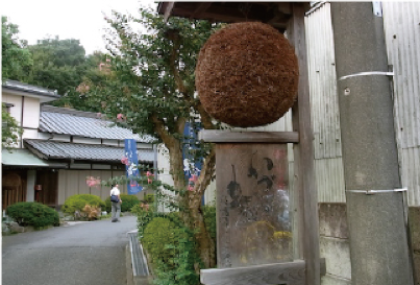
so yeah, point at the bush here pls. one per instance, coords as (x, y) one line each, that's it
(78, 202)
(172, 251)
(209, 215)
(33, 214)
(128, 202)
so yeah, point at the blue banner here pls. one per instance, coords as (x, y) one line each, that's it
(131, 166)
(192, 168)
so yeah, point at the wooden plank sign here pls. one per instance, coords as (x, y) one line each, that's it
(253, 219)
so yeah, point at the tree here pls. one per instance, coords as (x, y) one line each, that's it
(150, 87)
(10, 129)
(92, 72)
(58, 64)
(16, 59)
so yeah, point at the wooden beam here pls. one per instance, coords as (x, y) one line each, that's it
(200, 9)
(216, 136)
(167, 9)
(290, 273)
(304, 154)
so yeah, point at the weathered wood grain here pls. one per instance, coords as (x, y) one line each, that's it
(253, 216)
(217, 136)
(304, 153)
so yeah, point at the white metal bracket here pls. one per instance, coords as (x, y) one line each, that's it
(371, 192)
(386, 73)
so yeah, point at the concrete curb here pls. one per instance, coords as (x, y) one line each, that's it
(131, 278)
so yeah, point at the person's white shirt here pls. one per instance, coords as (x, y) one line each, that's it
(115, 191)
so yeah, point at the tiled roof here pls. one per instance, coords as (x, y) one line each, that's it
(63, 150)
(19, 86)
(84, 124)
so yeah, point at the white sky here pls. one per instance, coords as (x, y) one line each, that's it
(78, 19)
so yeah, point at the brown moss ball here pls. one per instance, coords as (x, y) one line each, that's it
(247, 75)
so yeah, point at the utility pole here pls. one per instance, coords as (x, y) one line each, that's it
(379, 242)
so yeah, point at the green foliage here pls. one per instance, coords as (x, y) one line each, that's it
(149, 198)
(10, 130)
(16, 59)
(58, 64)
(209, 215)
(151, 77)
(78, 202)
(33, 214)
(128, 202)
(172, 252)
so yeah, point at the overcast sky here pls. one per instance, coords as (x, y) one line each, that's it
(78, 19)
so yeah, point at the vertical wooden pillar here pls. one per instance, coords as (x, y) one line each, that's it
(305, 183)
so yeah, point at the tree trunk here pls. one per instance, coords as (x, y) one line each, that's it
(206, 244)
(176, 164)
(191, 213)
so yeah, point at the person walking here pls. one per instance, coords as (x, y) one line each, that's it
(115, 206)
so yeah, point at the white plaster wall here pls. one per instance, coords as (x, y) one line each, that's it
(110, 142)
(16, 110)
(86, 140)
(62, 138)
(210, 194)
(32, 134)
(31, 111)
(163, 165)
(143, 145)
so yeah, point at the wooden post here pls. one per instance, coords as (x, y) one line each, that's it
(307, 267)
(305, 183)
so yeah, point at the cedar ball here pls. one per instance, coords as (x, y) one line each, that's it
(247, 75)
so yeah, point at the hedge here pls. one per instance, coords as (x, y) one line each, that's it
(128, 202)
(33, 214)
(172, 251)
(78, 202)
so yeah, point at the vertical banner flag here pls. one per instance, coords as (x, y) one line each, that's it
(191, 169)
(132, 166)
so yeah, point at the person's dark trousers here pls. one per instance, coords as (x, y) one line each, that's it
(116, 210)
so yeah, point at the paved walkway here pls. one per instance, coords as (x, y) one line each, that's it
(90, 253)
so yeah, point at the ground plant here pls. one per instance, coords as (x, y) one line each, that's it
(172, 252)
(76, 205)
(33, 214)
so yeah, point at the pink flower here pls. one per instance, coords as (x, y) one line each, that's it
(125, 161)
(190, 188)
(120, 116)
(193, 178)
(149, 177)
(92, 181)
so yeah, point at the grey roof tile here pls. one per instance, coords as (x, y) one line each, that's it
(64, 150)
(84, 124)
(20, 86)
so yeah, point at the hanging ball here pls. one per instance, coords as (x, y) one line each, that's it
(247, 75)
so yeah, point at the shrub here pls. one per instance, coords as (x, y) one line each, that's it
(128, 202)
(78, 202)
(145, 215)
(209, 215)
(172, 251)
(33, 214)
